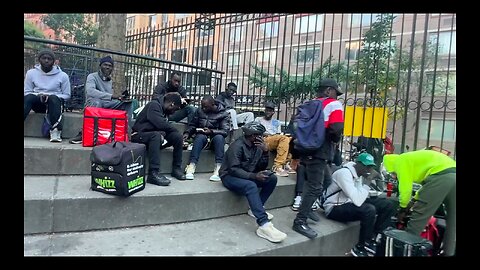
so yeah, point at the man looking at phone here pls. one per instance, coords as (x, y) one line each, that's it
(243, 172)
(174, 85)
(210, 123)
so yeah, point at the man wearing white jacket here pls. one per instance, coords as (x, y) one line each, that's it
(347, 200)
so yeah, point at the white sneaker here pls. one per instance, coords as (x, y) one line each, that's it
(296, 203)
(215, 177)
(316, 205)
(55, 135)
(250, 213)
(189, 171)
(271, 233)
(279, 171)
(289, 169)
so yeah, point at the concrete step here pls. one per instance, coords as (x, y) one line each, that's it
(55, 204)
(225, 236)
(41, 157)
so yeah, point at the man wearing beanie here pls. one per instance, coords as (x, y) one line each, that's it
(99, 93)
(46, 88)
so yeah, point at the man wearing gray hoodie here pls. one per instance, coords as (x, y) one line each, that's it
(45, 89)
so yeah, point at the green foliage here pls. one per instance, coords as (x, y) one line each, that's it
(282, 87)
(78, 26)
(29, 29)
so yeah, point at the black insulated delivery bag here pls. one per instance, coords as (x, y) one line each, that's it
(399, 243)
(118, 168)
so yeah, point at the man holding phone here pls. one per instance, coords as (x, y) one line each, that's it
(243, 171)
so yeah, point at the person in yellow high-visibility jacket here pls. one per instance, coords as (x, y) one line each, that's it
(436, 172)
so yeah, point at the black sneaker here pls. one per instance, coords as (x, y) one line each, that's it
(359, 251)
(178, 173)
(371, 247)
(303, 228)
(77, 139)
(156, 178)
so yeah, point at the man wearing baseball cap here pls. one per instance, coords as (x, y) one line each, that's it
(347, 200)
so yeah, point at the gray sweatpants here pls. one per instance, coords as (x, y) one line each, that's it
(435, 190)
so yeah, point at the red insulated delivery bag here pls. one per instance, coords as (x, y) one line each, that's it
(101, 126)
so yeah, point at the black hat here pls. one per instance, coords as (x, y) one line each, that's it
(253, 128)
(270, 105)
(106, 59)
(331, 83)
(47, 52)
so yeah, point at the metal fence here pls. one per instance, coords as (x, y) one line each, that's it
(136, 73)
(403, 63)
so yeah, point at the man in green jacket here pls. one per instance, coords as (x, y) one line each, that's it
(436, 172)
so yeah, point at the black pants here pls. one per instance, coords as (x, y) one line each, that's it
(54, 105)
(374, 215)
(314, 170)
(152, 139)
(301, 175)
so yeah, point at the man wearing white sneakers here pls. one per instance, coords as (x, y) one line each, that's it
(243, 172)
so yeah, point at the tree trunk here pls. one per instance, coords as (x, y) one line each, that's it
(112, 28)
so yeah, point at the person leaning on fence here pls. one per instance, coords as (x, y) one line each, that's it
(347, 199)
(243, 172)
(275, 140)
(46, 88)
(174, 85)
(153, 129)
(100, 94)
(436, 172)
(210, 123)
(227, 99)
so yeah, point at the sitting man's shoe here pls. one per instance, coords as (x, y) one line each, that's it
(271, 233)
(178, 173)
(313, 216)
(303, 228)
(371, 247)
(157, 179)
(55, 135)
(279, 171)
(77, 139)
(359, 251)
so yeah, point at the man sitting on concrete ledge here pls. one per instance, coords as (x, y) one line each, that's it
(46, 88)
(243, 171)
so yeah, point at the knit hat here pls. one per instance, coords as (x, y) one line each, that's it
(106, 59)
(47, 52)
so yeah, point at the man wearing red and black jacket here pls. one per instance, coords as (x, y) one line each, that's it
(315, 164)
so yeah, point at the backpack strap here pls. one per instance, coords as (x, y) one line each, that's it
(333, 193)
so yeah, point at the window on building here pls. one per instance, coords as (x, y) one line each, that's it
(179, 55)
(204, 53)
(152, 20)
(179, 36)
(234, 59)
(204, 33)
(161, 56)
(179, 16)
(437, 129)
(266, 56)
(445, 40)
(352, 50)
(203, 78)
(164, 19)
(445, 83)
(307, 55)
(268, 29)
(308, 24)
(236, 34)
(363, 19)
(130, 23)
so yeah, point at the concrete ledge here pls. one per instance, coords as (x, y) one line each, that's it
(66, 203)
(226, 236)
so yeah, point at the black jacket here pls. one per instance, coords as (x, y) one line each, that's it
(166, 87)
(243, 160)
(218, 122)
(229, 102)
(152, 118)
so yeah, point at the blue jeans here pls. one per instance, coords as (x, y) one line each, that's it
(199, 143)
(249, 188)
(188, 111)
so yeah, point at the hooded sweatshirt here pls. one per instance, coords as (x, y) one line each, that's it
(415, 167)
(351, 185)
(97, 88)
(55, 82)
